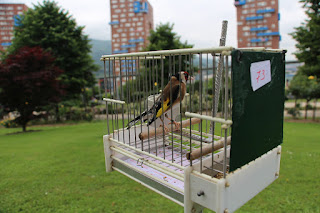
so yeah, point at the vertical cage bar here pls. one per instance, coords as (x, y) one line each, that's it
(190, 108)
(212, 126)
(170, 74)
(112, 90)
(106, 92)
(163, 135)
(200, 124)
(116, 95)
(206, 91)
(154, 101)
(179, 70)
(133, 80)
(225, 117)
(128, 93)
(122, 98)
(148, 94)
(140, 91)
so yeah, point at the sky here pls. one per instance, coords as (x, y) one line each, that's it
(196, 21)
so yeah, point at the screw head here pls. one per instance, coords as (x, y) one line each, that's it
(200, 193)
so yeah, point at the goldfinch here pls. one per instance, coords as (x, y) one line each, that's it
(171, 89)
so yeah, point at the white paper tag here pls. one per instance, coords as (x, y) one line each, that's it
(260, 74)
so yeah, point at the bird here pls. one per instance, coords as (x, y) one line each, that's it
(171, 95)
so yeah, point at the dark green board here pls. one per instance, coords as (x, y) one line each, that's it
(257, 115)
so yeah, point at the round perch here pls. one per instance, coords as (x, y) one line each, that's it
(172, 128)
(207, 149)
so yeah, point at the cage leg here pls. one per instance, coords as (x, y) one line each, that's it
(189, 205)
(107, 152)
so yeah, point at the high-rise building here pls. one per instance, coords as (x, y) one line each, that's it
(9, 13)
(258, 23)
(131, 22)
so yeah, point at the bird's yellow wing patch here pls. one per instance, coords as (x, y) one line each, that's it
(163, 108)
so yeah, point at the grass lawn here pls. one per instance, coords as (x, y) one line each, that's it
(61, 169)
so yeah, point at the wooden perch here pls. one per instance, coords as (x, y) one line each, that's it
(172, 128)
(207, 149)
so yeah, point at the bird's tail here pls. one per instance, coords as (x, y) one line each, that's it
(136, 119)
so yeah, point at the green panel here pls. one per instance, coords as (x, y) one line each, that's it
(257, 115)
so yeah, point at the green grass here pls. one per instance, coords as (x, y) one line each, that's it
(61, 169)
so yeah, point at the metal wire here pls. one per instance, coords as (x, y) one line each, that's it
(142, 73)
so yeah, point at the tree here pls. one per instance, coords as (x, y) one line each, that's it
(163, 38)
(54, 30)
(302, 86)
(308, 39)
(29, 81)
(308, 45)
(149, 80)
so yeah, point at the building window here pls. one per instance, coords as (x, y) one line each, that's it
(263, 3)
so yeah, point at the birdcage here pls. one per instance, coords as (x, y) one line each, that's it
(217, 147)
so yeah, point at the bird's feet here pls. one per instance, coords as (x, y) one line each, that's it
(177, 124)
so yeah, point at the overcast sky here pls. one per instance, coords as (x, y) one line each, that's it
(197, 21)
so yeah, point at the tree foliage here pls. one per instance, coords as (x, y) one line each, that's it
(306, 83)
(29, 81)
(302, 86)
(308, 39)
(163, 38)
(149, 78)
(53, 29)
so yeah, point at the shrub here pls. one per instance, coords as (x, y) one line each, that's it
(294, 112)
(9, 123)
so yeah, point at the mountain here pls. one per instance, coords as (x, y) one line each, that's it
(99, 48)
